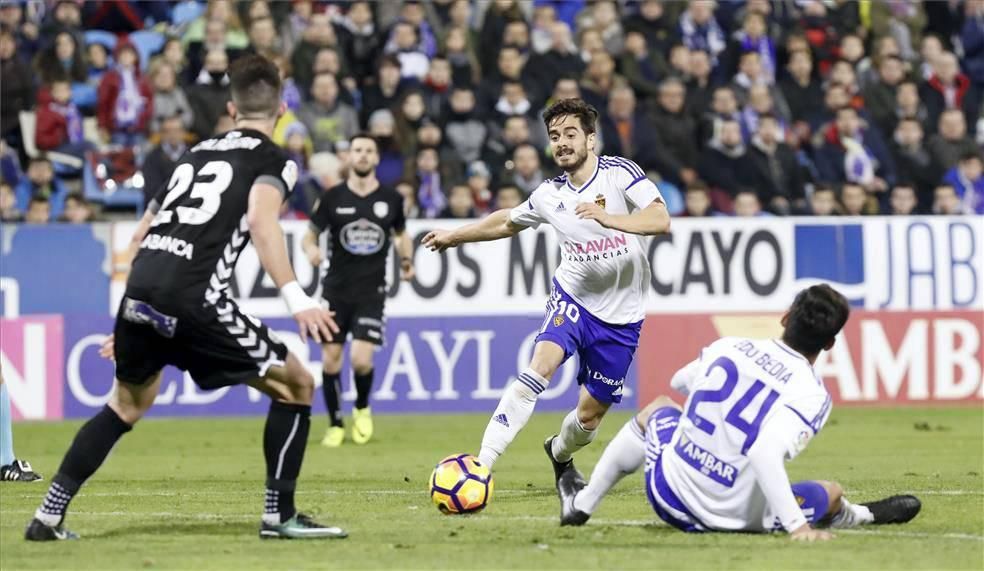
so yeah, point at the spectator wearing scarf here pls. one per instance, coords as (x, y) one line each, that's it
(753, 38)
(126, 102)
(700, 31)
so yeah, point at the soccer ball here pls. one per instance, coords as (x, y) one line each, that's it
(461, 484)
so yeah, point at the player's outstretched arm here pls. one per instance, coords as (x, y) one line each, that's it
(778, 439)
(493, 227)
(268, 239)
(651, 220)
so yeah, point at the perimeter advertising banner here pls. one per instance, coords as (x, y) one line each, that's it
(465, 324)
(449, 364)
(911, 357)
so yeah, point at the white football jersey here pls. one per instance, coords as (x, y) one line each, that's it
(752, 405)
(604, 270)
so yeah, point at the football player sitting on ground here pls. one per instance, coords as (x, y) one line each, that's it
(717, 463)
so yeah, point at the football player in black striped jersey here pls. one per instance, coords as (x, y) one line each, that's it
(177, 310)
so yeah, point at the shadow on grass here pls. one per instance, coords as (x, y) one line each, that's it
(161, 529)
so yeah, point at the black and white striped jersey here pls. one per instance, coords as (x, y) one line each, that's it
(200, 227)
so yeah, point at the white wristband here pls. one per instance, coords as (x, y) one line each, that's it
(297, 301)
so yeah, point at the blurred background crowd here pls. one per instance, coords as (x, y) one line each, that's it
(745, 108)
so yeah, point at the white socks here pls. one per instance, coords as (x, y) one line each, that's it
(851, 515)
(623, 455)
(511, 415)
(572, 438)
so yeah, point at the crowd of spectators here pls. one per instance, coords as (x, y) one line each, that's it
(746, 108)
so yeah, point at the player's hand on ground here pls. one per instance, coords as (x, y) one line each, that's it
(107, 349)
(318, 323)
(592, 211)
(439, 240)
(807, 533)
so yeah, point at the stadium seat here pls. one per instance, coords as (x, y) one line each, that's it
(28, 124)
(85, 96)
(106, 39)
(186, 12)
(672, 196)
(147, 43)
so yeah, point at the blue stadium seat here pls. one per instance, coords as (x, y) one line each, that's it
(147, 43)
(85, 96)
(672, 196)
(107, 39)
(186, 12)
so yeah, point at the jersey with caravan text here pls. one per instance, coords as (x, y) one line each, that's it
(361, 228)
(200, 226)
(604, 270)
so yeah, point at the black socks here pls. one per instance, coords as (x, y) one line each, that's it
(284, 440)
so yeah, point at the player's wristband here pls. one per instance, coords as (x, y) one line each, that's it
(297, 301)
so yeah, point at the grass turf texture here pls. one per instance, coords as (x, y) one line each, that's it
(186, 494)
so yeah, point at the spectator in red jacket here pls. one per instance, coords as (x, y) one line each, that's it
(59, 122)
(126, 101)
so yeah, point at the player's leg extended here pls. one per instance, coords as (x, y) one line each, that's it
(606, 354)
(361, 354)
(624, 455)
(519, 399)
(11, 469)
(291, 388)
(90, 448)
(824, 505)
(331, 386)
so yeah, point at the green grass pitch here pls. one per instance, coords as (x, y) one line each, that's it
(186, 494)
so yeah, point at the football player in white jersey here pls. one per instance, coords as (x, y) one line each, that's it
(717, 463)
(599, 208)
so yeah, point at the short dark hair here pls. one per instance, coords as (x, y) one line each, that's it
(255, 86)
(816, 317)
(38, 199)
(76, 197)
(586, 113)
(366, 136)
(969, 155)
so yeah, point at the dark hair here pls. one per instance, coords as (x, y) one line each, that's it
(255, 86)
(816, 317)
(969, 154)
(825, 187)
(389, 59)
(586, 114)
(77, 197)
(366, 136)
(39, 199)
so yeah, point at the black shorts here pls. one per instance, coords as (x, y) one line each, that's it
(219, 346)
(362, 317)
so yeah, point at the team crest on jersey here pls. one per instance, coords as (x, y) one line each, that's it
(380, 209)
(558, 320)
(289, 174)
(600, 200)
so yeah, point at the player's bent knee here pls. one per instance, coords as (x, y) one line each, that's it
(589, 419)
(361, 367)
(654, 405)
(834, 494)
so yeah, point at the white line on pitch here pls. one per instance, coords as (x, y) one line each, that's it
(489, 517)
(519, 492)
